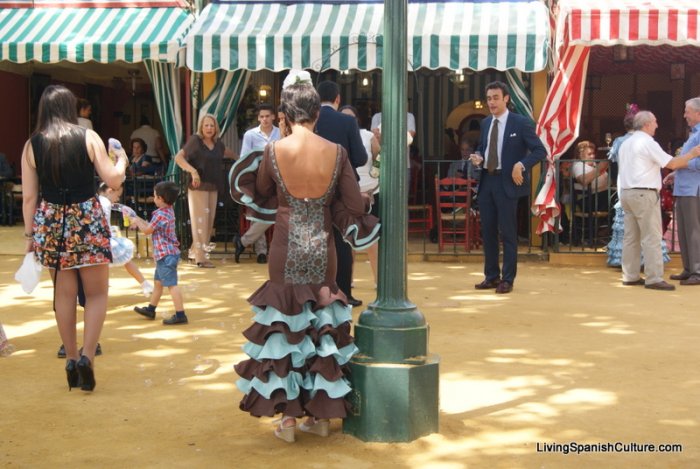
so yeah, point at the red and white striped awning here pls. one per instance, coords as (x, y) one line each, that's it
(581, 24)
(628, 22)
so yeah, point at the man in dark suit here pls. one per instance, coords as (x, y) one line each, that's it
(341, 129)
(510, 148)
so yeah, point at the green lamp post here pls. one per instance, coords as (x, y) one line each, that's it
(394, 378)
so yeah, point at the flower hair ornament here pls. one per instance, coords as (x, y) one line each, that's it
(297, 77)
(631, 109)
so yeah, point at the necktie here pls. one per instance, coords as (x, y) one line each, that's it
(492, 160)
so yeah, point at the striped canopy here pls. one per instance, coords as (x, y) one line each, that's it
(454, 35)
(105, 35)
(629, 22)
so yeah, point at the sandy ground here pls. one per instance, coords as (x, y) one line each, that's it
(571, 356)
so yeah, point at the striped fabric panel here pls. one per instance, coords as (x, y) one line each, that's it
(593, 22)
(452, 35)
(558, 126)
(51, 35)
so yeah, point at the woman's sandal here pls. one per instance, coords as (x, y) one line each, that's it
(319, 427)
(283, 431)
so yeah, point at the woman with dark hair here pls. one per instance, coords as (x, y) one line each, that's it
(66, 228)
(300, 343)
(141, 163)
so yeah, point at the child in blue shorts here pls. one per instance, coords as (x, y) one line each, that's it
(166, 252)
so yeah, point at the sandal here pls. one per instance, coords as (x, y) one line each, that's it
(318, 427)
(283, 431)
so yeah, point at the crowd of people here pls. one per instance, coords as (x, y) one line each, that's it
(312, 178)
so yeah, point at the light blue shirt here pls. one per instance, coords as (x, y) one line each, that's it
(255, 139)
(687, 180)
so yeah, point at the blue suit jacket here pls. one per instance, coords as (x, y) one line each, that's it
(342, 129)
(520, 144)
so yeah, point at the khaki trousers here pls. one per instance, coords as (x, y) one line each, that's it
(202, 206)
(642, 235)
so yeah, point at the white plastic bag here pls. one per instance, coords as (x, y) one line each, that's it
(29, 273)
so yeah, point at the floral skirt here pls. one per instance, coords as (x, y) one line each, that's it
(70, 236)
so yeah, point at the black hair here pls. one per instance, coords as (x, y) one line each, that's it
(141, 142)
(145, 121)
(168, 191)
(498, 85)
(352, 108)
(300, 104)
(328, 91)
(83, 104)
(62, 138)
(264, 107)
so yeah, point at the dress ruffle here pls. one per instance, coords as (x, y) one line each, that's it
(618, 234)
(242, 178)
(293, 298)
(297, 361)
(359, 232)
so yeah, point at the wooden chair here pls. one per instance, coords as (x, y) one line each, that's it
(458, 224)
(420, 215)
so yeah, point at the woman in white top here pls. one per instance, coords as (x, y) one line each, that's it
(368, 185)
(591, 178)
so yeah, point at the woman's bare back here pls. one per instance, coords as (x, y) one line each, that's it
(306, 164)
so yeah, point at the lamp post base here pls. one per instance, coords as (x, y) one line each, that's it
(394, 402)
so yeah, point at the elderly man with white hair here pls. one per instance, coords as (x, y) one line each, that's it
(686, 190)
(639, 181)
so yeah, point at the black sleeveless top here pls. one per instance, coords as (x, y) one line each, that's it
(76, 179)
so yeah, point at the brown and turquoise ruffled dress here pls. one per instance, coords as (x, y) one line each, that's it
(300, 342)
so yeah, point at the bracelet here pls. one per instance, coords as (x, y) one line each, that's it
(28, 236)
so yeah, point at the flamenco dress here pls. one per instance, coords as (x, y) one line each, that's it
(300, 342)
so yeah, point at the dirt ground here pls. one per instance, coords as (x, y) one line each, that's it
(571, 356)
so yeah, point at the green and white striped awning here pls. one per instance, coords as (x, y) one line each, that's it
(104, 35)
(454, 35)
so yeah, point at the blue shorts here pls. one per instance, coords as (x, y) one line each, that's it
(166, 270)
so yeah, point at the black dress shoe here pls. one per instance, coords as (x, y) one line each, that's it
(504, 287)
(692, 280)
(174, 320)
(239, 248)
(639, 281)
(98, 350)
(488, 284)
(681, 276)
(354, 301)
(146, 311)
(660, 286)
(262, 259)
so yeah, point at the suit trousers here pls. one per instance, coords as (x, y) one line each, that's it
(343, 251)
(642, 235)
(688, 224)
(202, 205)
(256, 234)
(499, 216)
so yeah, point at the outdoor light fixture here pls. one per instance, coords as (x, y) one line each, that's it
(264, 92)
(134, 74)
(459, 78)
(622, 54)
(365, 81)
(345, 77)
(478, 104)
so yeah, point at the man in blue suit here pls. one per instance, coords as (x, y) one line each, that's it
(511, 149)
(341, 129)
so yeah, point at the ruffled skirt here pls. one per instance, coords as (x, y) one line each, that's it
(299, 353)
